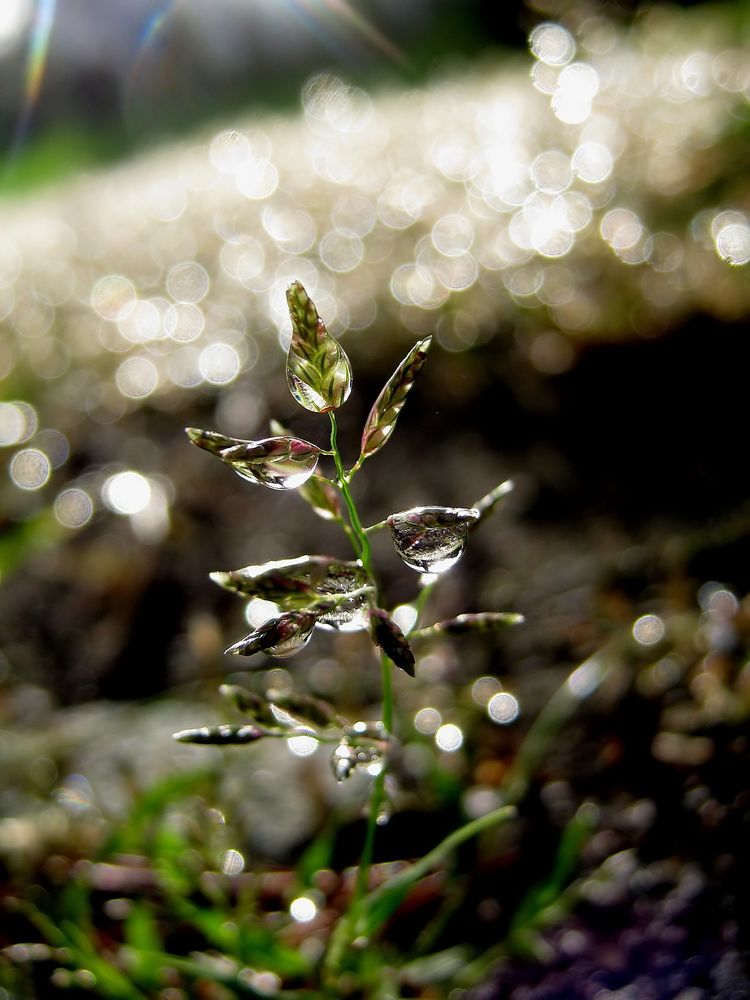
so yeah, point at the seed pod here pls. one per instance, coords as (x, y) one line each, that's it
(392, 640)
(220, 735)
(381, 422)
(481, 621)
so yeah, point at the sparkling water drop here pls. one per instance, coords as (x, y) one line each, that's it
(351, 615)
(288, 647)
(431, 539)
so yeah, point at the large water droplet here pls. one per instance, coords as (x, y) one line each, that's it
(351, 615)
(279, 463)
(282, 636)
(290, 646)
(431, 539)
(343, 761)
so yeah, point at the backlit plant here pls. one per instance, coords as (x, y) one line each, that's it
(319, 591)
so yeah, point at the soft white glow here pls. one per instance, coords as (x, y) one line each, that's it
(621, 228)
(552, 44)
(452, 234)
(18, 422)
(183, 321)
(257, 178)
(405, 616)
(113, 297)
(127, 492)
(142, 322)
(648, 630)
(30, 469)
(427, 721)
(341, 252)
(503, 708)
(136, 377)
(14, 16)
(219, 363)
(302, 746)
(303, 909)
(232, 863)
(483, 689)
(585, 679)
(258, 611)
(592, 162)
(577, 86)
(187, 282)
(551, 171)
(733, 243)
(449, 737)
(229, 150)
(73, 508)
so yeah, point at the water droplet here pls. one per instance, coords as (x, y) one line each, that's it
(281, 463)
(431, 539)
(302, 746)
(290, 646)
(351, 615)
(343, 761)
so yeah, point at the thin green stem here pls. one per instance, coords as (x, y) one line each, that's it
(375, 527)
(361, 543)
(360, 539)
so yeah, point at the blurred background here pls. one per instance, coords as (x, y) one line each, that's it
(558, 192)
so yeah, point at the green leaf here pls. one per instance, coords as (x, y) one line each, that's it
(141, 933)
(381, 422)
(317, 367)
(317, 856)
(392, 640)
(281, 463)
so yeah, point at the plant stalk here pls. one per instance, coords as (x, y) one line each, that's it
(360, 539)
(377, 796)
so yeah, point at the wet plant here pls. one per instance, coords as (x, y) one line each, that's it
(319, 591)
